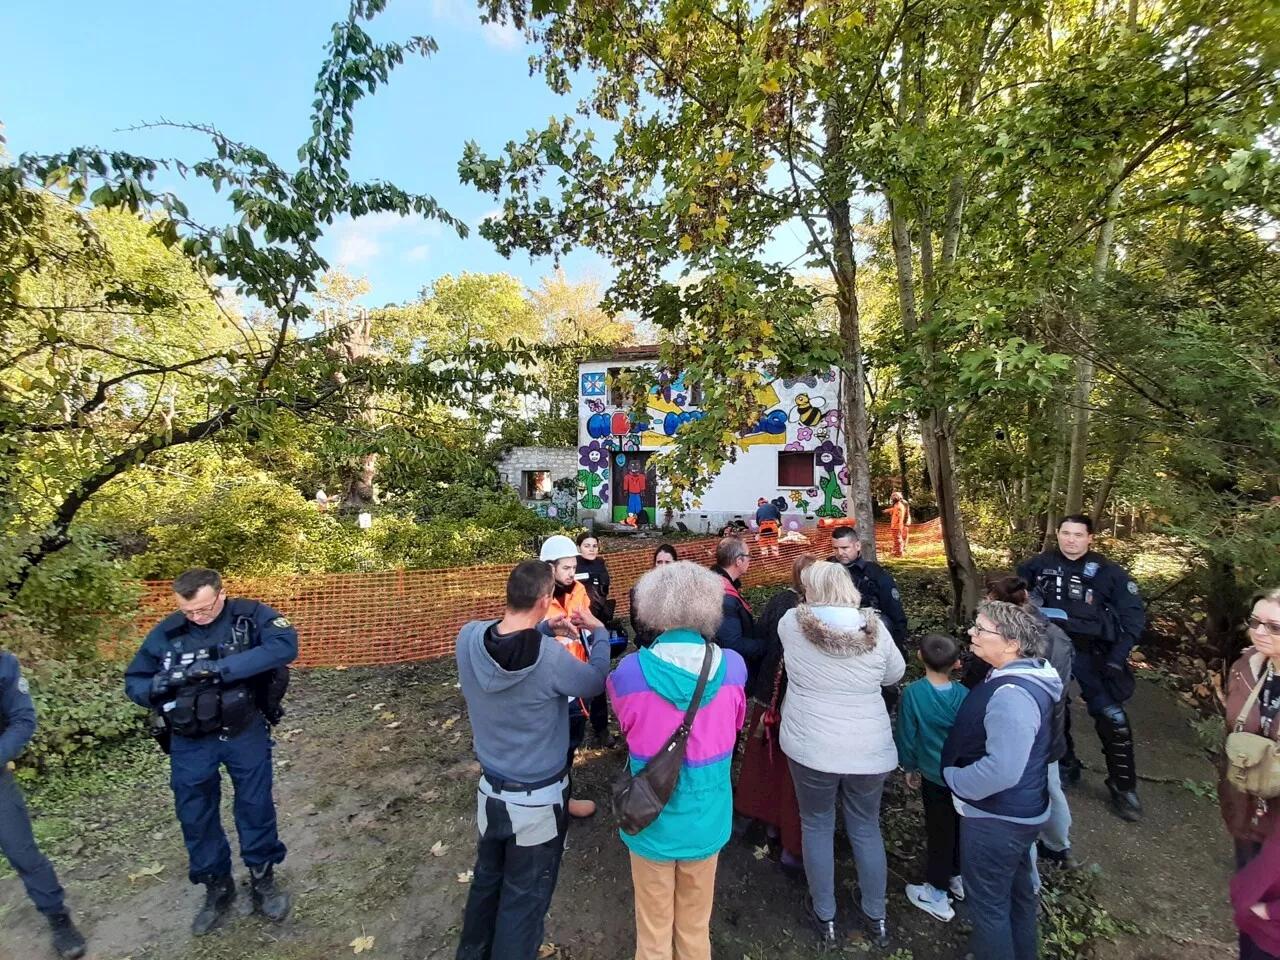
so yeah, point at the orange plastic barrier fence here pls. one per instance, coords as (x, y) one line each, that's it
(350, 619)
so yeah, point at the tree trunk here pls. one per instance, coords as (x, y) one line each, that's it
(904, 482)
(1118, 458)
(1051, 505)
(358, 491)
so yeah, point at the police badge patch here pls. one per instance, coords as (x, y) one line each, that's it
(281, 622)
(1091, 568)
(23, 686)
(1133, 588)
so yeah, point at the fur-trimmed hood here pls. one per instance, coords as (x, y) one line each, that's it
(838, 631)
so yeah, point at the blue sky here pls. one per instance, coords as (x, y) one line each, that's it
(79, 73)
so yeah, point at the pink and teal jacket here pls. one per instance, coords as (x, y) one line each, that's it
(650, 692)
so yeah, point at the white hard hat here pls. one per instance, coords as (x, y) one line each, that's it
(558, 548)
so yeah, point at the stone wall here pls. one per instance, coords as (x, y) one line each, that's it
(560, 461)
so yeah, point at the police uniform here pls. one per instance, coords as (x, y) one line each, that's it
(1105, 618)
(877, 588)
(220, 722)
(17, 842)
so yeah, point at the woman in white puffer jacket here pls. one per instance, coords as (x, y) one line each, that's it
(837, 737)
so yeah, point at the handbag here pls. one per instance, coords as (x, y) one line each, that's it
(639, 798)
(1253, 761)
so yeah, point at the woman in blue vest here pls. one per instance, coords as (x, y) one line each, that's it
(996, 762)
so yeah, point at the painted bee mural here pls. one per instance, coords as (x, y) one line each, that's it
(808, 410)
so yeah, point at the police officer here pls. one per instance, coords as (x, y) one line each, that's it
(1104, 618)
(214, 673)
(874, 582)
(17, 726)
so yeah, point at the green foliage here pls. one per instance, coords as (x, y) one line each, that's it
(1210, 733)
(1072, 917)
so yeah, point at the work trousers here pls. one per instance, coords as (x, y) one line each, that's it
(673, 907)
(195, 775)
(942, 835)
(18, 844)
(517, 865)
(996, 867)
(817, 794)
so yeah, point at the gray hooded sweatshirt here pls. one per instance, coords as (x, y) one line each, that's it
(1011, 722)
(520, 718)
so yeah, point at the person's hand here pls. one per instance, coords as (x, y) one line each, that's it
(913, 781)
(1260, 910)
(586, 620)
(201, 670)
(1116, 670)
(561, 626)
(162, 686)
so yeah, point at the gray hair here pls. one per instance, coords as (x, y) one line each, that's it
(730, 550)
(828, 584)
(681, 596)
(1014, 623)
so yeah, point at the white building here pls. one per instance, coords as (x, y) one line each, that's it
(795, 456)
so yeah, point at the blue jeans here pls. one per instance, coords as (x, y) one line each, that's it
(816, 795)
(194, 774)
(18, 844)
(995, 862)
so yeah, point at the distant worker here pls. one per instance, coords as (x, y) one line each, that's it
(1104, 617)
(571, 602)
(215, 673)
(899, 523)
(17, 842)
(768, 525)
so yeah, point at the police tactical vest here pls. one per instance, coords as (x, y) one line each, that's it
(1072, 587)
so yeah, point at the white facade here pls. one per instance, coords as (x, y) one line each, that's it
(795, 455)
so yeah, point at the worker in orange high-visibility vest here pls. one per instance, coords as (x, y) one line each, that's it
(899, 523)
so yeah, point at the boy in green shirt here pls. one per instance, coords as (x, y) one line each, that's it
(925, 717)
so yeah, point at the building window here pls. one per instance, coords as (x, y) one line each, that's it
(695, 395)
(795, 469)
(535, 484)
(616, 396)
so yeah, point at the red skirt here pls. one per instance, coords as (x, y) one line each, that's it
(765, 791)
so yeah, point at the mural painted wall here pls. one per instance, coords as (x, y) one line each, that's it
(802, 416)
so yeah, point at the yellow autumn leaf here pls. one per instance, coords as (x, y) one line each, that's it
(770, 87)
(766, 329)
(722, 223)
(361, 944)
(694, 210)
(766, 163)
(439, 849)
(686, 242)
(724, 158)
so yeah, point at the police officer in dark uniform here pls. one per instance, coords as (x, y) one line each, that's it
(214, 674)
(1105, 617)
(875, 584)
(17, 842)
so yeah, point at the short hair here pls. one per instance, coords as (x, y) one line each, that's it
(1014, 623)
(1009, 589)
(1077, 518)
(801, 564)
(528, 583)
(844, 533)
(828, 584)
(188, 584)
(584, 537)
(939, 651)
(728, 552)
(681, 595)
(668, 549)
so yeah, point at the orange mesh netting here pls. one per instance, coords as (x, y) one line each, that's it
(350, 619)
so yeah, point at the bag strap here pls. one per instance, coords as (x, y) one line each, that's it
(687, 724)
(1253, 698)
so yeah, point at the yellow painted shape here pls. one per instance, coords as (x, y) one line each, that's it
(762, 440)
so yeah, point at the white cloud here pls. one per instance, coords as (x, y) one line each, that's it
(368, 238)
(418, 254)
(504, 36)
(461, 13)
(495, 214)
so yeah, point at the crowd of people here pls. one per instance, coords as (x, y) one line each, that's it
(984, 736)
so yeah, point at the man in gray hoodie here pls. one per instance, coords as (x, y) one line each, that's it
(518, 680)
(996, 763)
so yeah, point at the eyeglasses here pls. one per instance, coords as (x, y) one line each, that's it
(978, 628)
(1266, 626)
(207, 609)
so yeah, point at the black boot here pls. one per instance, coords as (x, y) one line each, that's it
(1122, 776)
(219, 895)
(67, 941)
(268, 899)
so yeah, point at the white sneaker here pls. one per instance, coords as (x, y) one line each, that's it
(957, 888)
(931, 900)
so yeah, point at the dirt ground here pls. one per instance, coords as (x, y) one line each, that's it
(376, 791)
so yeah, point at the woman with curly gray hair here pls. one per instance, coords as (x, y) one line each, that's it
(673, 860)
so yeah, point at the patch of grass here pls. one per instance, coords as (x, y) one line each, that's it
(1204, 789)
(1210, 734)
(1073, 917)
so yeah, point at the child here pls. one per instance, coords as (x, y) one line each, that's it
(925, 716)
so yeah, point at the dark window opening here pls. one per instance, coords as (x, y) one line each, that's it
(795, 469)
(535, 485)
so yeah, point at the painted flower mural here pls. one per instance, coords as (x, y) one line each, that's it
(594, 459)
(829, 458)
(804, 433)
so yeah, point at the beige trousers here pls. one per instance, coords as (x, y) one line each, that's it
(673, 906)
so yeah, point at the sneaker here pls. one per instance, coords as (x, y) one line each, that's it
(67, 941)
(957, 888)
(827, 939)
(877, 931)
(931, 900)
(1061, 858)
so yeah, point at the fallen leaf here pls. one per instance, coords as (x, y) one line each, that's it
(151, 871)
(546, 950)
(378, 706)
(439, 849)
(448, 724)
(392, 726)
(352, 696)
(433, 723)
(760, 852)
(386, 715)
(341, 667)
(361, 944)
(466, 876)
(431, 796)
(384, 749)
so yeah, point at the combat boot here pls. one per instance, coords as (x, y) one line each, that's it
(67, 941)
(268, 899)
(1122, 777)
(219, 895)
